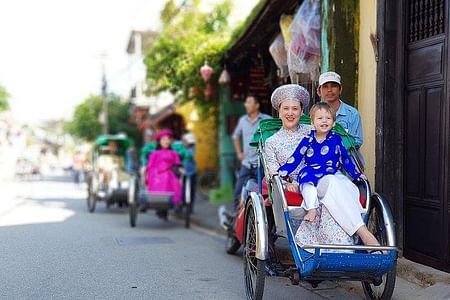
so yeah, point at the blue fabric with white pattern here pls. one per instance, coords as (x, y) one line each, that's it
(320, 159)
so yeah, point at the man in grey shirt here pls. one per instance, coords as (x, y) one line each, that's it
(245, 129)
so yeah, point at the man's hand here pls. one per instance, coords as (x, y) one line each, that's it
(238, 149)
(240, 156)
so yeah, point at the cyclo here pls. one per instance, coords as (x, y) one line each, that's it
(265, 229)
(141, 200)
(108, 179)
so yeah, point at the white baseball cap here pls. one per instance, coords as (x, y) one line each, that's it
(329, 77)
(189, 138)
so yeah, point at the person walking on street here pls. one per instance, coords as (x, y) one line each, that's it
(78, 166)
(245, 129)
(190, 166)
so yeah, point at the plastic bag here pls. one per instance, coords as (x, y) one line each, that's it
(278, 51)
(285, 23)
(304, 49)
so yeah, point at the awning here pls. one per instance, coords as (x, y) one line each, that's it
(263, 29)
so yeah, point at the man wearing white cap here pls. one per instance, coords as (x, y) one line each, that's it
(330, 90)
(190, 166)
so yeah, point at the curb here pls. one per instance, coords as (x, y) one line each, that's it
(419, 274)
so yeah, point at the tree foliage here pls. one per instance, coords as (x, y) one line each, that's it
(85, 123)
(189, 37)
(4, 96)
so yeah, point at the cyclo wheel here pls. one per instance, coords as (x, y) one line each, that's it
(187, 202)
(254, 268)
(91, 198)
(133, 191)
(385, 289)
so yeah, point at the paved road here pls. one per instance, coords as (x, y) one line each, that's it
(52, 248)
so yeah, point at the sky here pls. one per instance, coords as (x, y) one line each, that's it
(50, 50)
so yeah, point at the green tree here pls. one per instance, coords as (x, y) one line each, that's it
(85, 122)
(169, 12)
(4, 96)
(189, 36)
(118, 116)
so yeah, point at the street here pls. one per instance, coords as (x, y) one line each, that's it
(54, 249)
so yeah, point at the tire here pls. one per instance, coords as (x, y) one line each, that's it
(108, 202)
(385, 289)
(188, 203)
(187, 216)
(254, 268)
(91, 202)
(133, 214)
(232, 244)
(91, 198)
(133, 191)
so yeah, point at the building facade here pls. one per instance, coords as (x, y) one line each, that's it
(412, 125)
(393, 58)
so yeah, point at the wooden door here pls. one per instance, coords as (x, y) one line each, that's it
(426, 134)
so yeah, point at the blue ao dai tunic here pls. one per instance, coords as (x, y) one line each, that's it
(319, 159)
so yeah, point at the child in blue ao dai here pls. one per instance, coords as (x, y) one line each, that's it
(319, 154)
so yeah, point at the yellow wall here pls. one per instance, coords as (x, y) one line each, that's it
(367, 83)
(205, 132)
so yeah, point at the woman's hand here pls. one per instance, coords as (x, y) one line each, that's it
(182, 171)
(291, 187)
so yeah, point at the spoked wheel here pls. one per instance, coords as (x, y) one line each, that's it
(254, 268)
(385, 288)
(132, 201)
(91, 199)
(108, 202)
(187, 202)
(133, 214)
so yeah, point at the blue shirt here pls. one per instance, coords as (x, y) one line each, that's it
(246, 129)
(350, 119)
(319, 159)
(189, 162)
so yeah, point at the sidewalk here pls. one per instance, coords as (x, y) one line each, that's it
(205, 214)
(414, 281)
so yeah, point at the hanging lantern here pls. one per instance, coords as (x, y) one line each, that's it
(224, 77)
(209, 91)
(206, 71)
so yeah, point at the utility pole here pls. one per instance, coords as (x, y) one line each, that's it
(104, 97)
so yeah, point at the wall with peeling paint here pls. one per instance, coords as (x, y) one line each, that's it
(340, 43)
(347, 49)
(367, 82)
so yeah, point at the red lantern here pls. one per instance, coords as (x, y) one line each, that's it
(206, 71)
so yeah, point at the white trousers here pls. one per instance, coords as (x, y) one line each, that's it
(309, 193)
(341, 197)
